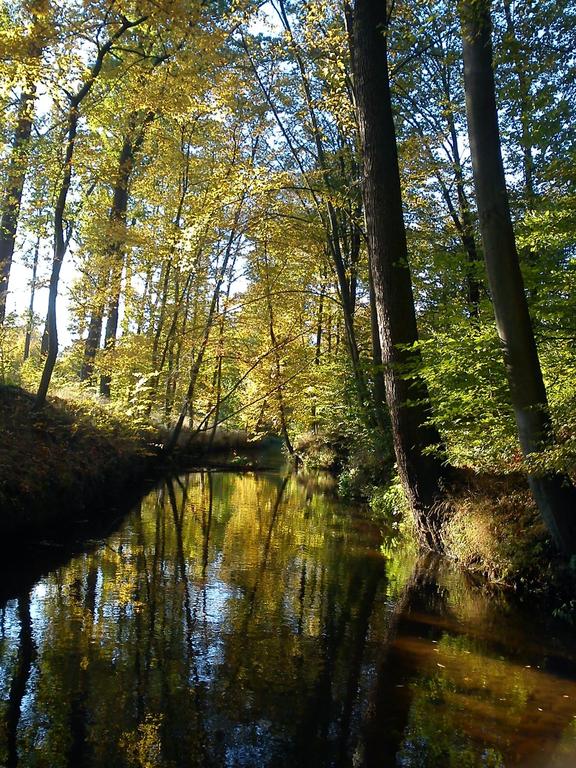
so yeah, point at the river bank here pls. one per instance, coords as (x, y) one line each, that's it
(64, 461)
(74, 459)
(70, 462)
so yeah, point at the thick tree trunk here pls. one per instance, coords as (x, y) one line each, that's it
(92, 341)
(406, 394)
(14, 188)
(378, 385)
(554, 494)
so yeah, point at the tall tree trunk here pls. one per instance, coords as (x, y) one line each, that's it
(378, 384)
(30, 323)
(318, 347)
(61, 234)
(466, 229)
(60, 243)
(92, 340)
(277, 377)
(407, 395)
(554, 494)
(18, 163)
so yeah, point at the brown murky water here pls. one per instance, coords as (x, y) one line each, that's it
(252, 620)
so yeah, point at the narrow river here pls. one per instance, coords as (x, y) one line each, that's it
(253, 620)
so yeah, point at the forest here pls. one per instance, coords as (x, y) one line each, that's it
(347, 224)
(287, 383)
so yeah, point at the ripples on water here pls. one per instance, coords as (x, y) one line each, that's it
(252, 620)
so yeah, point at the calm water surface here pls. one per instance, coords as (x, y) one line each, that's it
(252, 620)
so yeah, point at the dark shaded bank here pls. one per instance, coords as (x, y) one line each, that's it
(495, 530)
(31, 553)
(64, 463)
(77, 462)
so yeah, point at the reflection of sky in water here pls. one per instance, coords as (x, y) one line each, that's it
(257, 624)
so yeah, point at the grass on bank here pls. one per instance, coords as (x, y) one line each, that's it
(493, 528)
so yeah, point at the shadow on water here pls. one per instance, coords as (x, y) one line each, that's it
(253, 620)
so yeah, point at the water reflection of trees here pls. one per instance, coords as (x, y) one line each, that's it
(240, 620)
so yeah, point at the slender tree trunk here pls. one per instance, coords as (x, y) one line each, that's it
(277, 364)
(223, 316)
(144, 302)
(30, 323)
(318, 348)
(345, 269)
(61, 236)
(172, 441)
(524, 105)
(554, 494)
(174, 343)
(407, 396)
(466, 221)
(60, 242)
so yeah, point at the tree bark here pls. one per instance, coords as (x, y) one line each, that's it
(60, 243)
(277, 376)
(553, 493)
(30, 323)
(92, 340)
(378, 384)
(406, 392)
(18, 164)
(14, 188)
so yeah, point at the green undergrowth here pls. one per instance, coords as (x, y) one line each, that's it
(390, 509)
(361, 457)
(60, 458)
